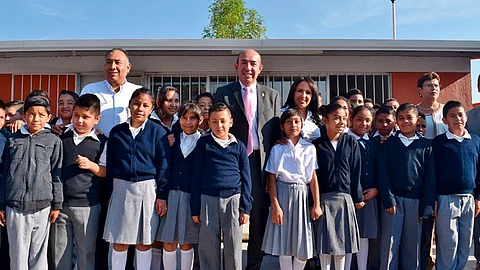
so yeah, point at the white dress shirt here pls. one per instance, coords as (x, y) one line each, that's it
(225, 143)
(113, 105)
(407, 141)
(452, 136)
(365, 137)
(135, 130)
(293, 163)
(188, 142)
(253, 87)
(77, 139)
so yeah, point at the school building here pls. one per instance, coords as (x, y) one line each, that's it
(381, 68)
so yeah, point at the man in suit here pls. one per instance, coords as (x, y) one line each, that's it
(255, 110)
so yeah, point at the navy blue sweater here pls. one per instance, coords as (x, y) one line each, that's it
(340, 170)
(407, 172)
(221, 172)
(143, 158)
(457, 165)
(180, 168)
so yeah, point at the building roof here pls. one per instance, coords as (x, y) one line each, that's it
(144, 47)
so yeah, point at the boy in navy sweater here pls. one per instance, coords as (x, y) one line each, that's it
(221, 192)
(457, 164)
(84, 163)
(406, 182)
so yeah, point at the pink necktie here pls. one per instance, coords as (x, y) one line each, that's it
(247, 101)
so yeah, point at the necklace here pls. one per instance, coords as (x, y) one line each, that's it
(433, 108)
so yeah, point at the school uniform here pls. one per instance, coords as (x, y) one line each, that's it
(30, 187)
(406, 175)
(293, 166)
(178, 226)
(336, 231)
(79, 216)
(221, 189)
(137, 160)
(310, 130)
(457, 166)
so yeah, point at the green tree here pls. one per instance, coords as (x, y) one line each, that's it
(231, 19)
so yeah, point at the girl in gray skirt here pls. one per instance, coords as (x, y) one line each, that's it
(291, 170)
(136, 165)
(177, 227)
(339, 162)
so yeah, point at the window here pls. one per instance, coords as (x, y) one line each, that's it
(374, 86)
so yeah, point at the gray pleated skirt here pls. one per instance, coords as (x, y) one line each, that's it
(336, 231)
(367, 218)
(295, 236)
(131, 216)
(178, 226)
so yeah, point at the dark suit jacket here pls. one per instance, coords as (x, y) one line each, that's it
(268, 111)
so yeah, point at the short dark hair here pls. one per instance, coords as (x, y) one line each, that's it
(204, 94)
(218, 107)
(427, 77)
(365, 100)
(388, 110)
(39, 93)
(118, 49)
(2, 105)
(190, 107)
(337, 98)
(389, 100)
(360, 108)
(353, 92)
(422, 115)
(37, 101)
(330, 108)
(71, 93)
(289, 113)
(406, 107)
(450, 105)
(142, 90)
(90, 102)
(16, 103)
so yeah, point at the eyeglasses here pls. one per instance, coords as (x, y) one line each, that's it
(431, 85)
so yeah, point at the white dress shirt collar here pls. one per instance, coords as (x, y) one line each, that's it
(135, 130)
(77, 139)
(407, 141)
(225, 143)
(452, 136)
(188, 142)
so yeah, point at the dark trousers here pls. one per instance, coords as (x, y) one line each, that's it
(476, 238)
(4, 249)
(258, 215)
(426, 242)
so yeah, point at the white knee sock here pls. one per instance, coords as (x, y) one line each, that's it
(156, 259)
(348, 261)
(325, 261)
(339, 261)
(298, 264)
(285, 262)
(144, 259)
(119, 259)
(186, 260)
(170, 260)
(362, 255)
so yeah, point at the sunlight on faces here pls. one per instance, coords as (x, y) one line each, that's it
(303, 95)
(36, 117)
(456, 120)
(362, 122)
(336, 121)
(116, 68)
(394, 104)
(407, 122)
(65, 106)
(292, 126)
(84, 120)
(344, 104)
(189, 123)
(248, 66)
(2, 118)
(368, 104)
(384, 124)
(205, 104)
(140, 107)
(220, 123)
(355, 100)
(11, 115)
(421, 126)
(171, 103)
(430, 90)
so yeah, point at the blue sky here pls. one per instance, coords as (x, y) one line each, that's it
(68, 19)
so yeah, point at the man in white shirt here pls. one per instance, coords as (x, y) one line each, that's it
(115, 91)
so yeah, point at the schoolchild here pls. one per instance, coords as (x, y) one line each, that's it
(221, 197)
(406, 184)
(291, 169)
(422, 124)
(339, 161)
(137, 161)
(457, 164)
(384, 122)
(367, 217)
(31, 189)
(205, 101)
(177, 227)
(66, 102)
(167, 104)
(84, 162)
